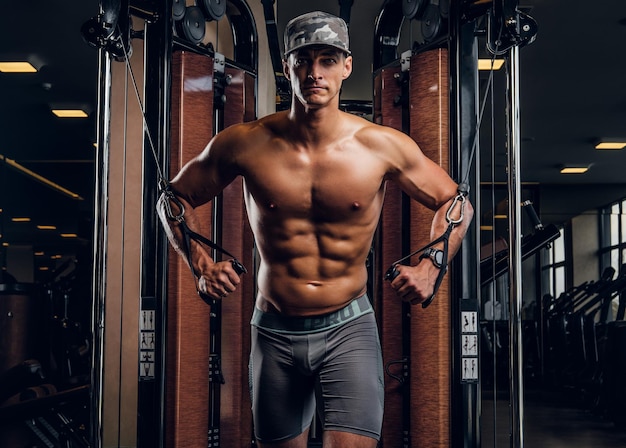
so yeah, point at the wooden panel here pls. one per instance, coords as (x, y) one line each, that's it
(187, 379)
(240, 99)
(430, 328)
(388, 306)
(235, 405)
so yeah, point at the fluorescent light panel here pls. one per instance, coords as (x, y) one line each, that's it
(574, 169)
(17, 67)
(611, 145)
(70, 113)
(485, 64)
(40, 227)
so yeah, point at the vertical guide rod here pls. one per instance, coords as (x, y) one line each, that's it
(99, 248)
(515, 256)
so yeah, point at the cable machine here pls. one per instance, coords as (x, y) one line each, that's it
(191, 385)
(190, 92)
(447, 43)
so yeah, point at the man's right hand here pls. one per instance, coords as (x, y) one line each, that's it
(218, 280)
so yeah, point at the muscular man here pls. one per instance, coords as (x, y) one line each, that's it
(314, 180)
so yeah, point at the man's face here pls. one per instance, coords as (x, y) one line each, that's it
(316, 73)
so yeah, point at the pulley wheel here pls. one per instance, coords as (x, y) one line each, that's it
(413, 8)
(213, 9)
(431, 22)
(192, 25)
(178, 9)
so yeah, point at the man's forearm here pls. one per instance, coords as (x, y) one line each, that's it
(171, 214)
(440, 224)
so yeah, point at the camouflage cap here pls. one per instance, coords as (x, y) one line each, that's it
(316, 28)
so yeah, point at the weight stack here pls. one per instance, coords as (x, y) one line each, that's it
(209, 343)
(431, 327)
(388, 111)
(235, 405)
(416, 342)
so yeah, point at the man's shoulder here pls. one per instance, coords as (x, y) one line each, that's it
(275, 122)
(376, 133)
(243, 132)
(270, 124)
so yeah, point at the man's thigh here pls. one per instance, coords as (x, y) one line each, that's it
(339, 439)
(283, 402)
(300, 441)
(350, 384)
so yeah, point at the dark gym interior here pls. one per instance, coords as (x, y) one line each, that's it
(78, 239)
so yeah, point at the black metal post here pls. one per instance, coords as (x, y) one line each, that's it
(157, 88)
(465, 401)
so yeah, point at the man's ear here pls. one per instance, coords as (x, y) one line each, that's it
(347, 67)
(286, 68)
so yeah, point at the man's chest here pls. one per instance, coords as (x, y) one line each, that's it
(330, 184)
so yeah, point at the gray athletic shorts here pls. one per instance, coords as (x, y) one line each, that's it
(333, 359)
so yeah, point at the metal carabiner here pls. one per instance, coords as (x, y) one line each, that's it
(170, 196)
(458, 198)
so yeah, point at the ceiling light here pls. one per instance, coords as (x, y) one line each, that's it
(39, 254)
(486, 64)
(574, 169)
(17, 67)
(70, 113)
(47, 227)
(40, 178)
(69, 235)
(611, 145)
(20, 219)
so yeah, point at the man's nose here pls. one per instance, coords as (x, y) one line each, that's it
(314, 72)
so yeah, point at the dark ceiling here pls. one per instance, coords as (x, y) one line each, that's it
(60, 150)
(572, 94)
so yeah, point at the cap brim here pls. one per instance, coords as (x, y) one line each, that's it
(318, 44)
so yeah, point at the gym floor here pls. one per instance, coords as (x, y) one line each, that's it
(551, 420)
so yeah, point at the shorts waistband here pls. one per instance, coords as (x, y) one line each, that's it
(312, 324)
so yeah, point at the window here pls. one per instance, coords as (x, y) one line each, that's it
(554, 268)
(613, 236)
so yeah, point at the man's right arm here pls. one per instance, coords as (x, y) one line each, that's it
(198, 182)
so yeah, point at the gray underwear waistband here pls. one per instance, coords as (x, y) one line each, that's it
(312, 324)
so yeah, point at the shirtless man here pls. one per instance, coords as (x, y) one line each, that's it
(314, 181)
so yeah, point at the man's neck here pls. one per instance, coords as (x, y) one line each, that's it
(314, 124)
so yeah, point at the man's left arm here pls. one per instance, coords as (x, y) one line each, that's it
(428, 183)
